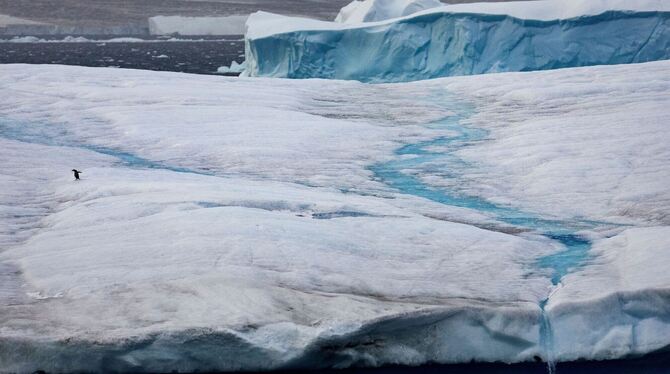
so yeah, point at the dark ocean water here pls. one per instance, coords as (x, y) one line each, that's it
(657, 363)
(197, 55)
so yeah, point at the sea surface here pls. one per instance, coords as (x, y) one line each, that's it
(197, 55)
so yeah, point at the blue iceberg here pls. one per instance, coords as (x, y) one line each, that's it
(440, 43)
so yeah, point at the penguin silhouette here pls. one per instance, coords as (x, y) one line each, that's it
(76, 174)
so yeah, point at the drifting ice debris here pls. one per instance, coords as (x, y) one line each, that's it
(234, 67)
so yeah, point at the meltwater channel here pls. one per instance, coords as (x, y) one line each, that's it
(438, 157)
(58, 135)
(421, 156)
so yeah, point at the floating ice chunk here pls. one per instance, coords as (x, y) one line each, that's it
(228, 25)
(6, 20)
(41, 296)
(75, 39)
(234, 67)
(24, 39)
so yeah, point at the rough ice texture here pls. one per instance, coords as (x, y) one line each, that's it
(228, 25)
(447, 41)
(198, 240)
(634, 265)
(603, 153)
(379, 10)
(234, 67)
(160, 270)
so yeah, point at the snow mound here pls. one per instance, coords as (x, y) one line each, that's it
(459, 40)
(379, 10)
(228, 25)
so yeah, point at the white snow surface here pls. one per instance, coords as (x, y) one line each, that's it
(557, 153)
(263, 24)
(634, 263)
(225, 25)
(555, 9)
(633, 260)
(379, 10)
(227, 259)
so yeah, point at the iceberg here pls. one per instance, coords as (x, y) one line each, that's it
(234, 68)
(241, 224)
(459, 40)
(636, 313)
(6, 20)
(379, 10)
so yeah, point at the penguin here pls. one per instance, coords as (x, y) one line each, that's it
(76, 174)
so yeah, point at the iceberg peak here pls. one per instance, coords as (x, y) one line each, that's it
(379, 10)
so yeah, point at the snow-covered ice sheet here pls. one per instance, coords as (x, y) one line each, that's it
(248, 241)
(543, 10)
(378, 10)
(634, 265)
(226, 223)
(359, 11)
(555, 152)
(460, 40)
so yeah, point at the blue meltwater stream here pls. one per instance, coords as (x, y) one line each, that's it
(434, 158)
(57, 135)
(437, 157)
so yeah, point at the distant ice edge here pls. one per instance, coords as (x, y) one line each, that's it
(447, 44)
(470, 332)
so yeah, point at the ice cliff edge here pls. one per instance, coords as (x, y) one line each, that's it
(460, 40)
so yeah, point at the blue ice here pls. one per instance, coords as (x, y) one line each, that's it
(447, 44)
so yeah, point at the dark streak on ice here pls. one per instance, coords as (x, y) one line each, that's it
(339, 214)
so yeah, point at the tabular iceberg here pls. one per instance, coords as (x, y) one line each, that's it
(228, 224)
(379, 10)
(460, 40)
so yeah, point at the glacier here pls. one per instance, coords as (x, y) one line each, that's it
(461, 39)
(255, 224)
